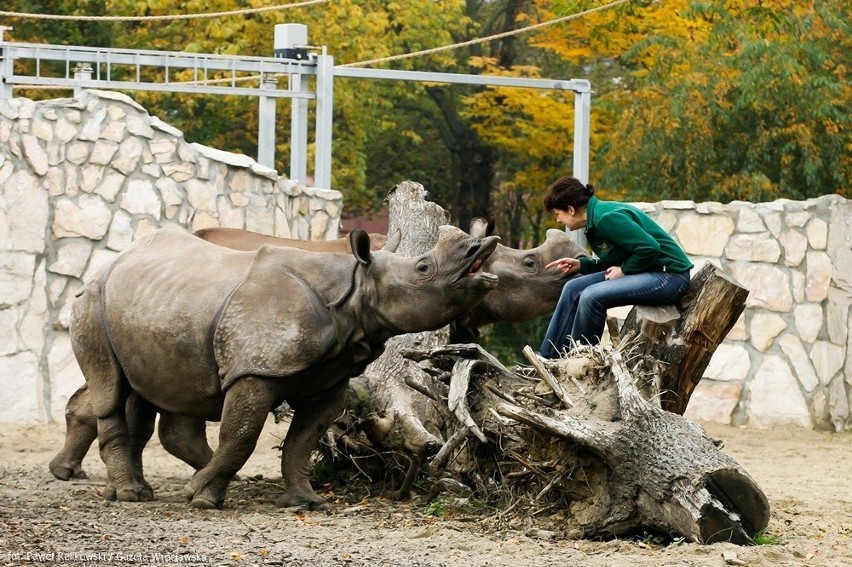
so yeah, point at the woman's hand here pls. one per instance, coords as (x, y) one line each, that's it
(567, 265)
(613, 272)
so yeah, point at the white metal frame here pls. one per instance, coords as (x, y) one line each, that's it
(86, 67)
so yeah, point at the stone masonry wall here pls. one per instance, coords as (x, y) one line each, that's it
(80, 179)
(786, 360)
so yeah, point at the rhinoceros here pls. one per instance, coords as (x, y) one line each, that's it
(525, 291)
(213, 334)
(238, 239)
(181, 436)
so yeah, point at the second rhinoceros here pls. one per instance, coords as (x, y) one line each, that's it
(525, 291)
(214, 334)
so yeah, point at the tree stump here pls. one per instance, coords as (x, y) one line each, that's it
(684, 337)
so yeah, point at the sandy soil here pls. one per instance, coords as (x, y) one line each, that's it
(806, 475)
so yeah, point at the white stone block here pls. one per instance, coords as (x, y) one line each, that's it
(775, 397)
(111, 185)
(140, 198)
(261, 220)
(19, 395)
(828, 359)
(729, 363)
(103, 152)
(16, 277)
(795, 246)
(71, 258)
(818, 277)
(89, 217)
(91, 130)
(24, 211)
(120, 231)
(34, 322)
(808, 317)
(201, 195)
(795, 351)
(169, 191)
(203, 219)
(769, 286)
(128, 156)
(704, 236)
(764, 328)
(65, 376)
(797, 219)
(36, 154)
(180, 171)
(713, 402)
(817, 231)
(140, 126)
(753, 248)
(837, 315)
(91, 177)
(9, 341)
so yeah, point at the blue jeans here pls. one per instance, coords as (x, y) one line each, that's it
(580, 313)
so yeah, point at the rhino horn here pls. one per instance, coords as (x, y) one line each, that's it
(393, 241)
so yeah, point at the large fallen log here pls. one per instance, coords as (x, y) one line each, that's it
(601, 456)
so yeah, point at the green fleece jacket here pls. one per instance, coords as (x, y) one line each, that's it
(622, 235)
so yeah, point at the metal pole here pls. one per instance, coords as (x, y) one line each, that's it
(6, 66)
(325, 107)
(82, 72)
(266, 123)
(582, 134)
(289, 41)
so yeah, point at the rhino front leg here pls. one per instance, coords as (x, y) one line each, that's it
(81, 430)
(310, 421)
(247, 403)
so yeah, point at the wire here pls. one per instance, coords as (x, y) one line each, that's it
(159, 18)
(489, 38)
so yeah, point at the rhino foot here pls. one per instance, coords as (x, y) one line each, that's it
(137, 493)
(64, 470)
(302, 499)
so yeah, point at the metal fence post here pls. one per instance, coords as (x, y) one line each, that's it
(266, 123)
(582, 134)
(82, 72)
(290, 40)
(325, 107)
(5, 66)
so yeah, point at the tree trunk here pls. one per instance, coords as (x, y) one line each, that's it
(589, 441)
(685, 337)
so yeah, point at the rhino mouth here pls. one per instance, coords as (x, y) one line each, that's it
(475, 271)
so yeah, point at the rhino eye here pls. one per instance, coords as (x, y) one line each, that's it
(529, 262)
(423, 267)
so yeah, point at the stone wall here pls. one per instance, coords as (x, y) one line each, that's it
(80, 179)
(785, 362)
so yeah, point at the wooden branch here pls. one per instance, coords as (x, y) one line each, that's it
(457, 399)
(595, 436)
(551, 380)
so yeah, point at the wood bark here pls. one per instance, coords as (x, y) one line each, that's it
(684, 337)
(583, 440)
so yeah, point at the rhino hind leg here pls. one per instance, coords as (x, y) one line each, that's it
(108, 393)
(81, 430)
(310, 421)
(247, 403)
(129, 437)
(185, 438)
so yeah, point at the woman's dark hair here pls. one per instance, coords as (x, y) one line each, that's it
(567, 192)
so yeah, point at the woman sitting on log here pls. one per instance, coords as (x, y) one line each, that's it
(637, 263)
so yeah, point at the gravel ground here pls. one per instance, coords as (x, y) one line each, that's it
(806, 475)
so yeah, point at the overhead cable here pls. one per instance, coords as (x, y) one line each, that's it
(159, 18)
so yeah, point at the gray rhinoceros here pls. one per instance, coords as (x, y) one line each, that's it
(525, 291)
(214, 334)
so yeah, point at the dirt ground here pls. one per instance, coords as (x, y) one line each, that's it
(806, 475)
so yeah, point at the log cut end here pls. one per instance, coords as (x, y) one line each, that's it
(737, 509)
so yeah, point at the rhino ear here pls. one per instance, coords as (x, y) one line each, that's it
(556, 235)
(393, 241)
(360, 243)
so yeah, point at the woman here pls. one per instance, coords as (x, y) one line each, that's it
(637, 263)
